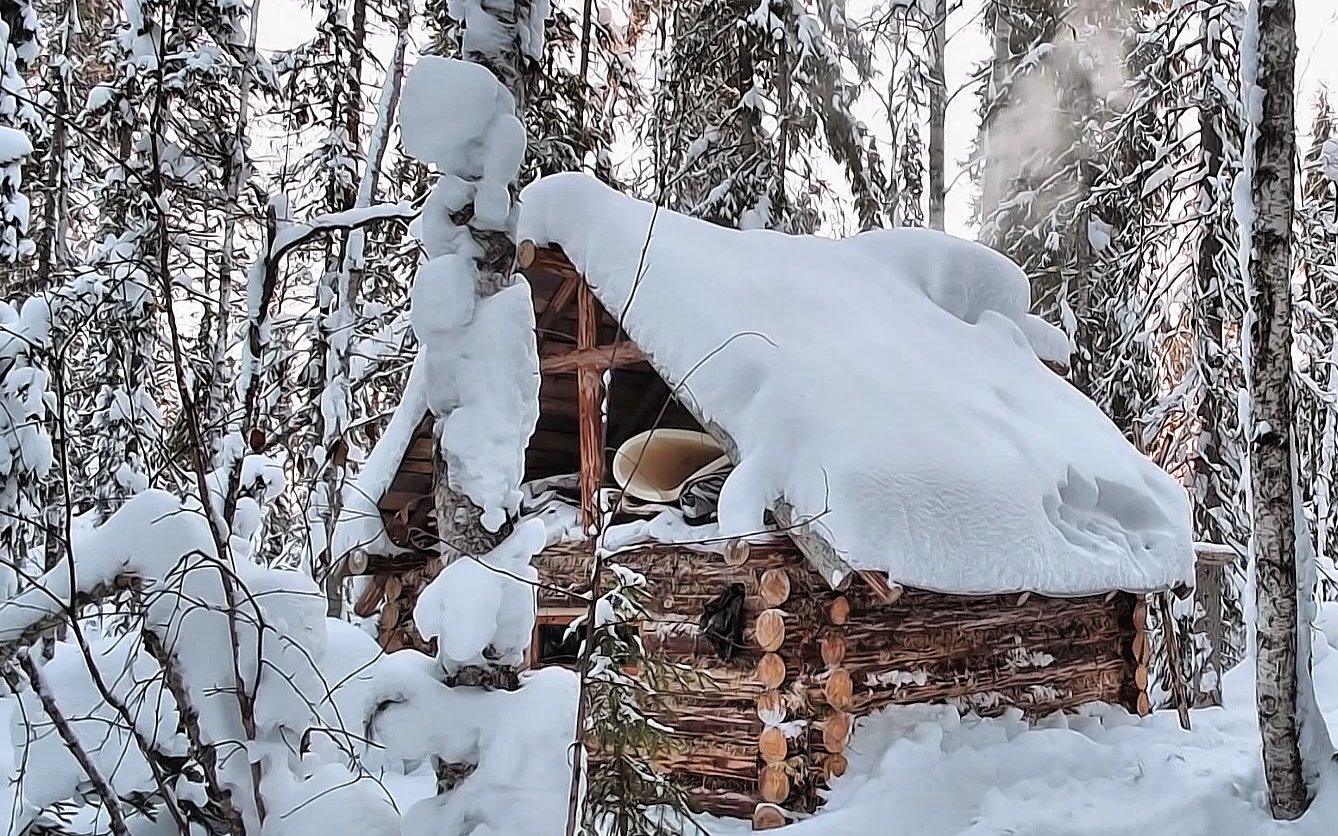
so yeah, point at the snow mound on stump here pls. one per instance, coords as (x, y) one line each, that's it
(482, 602)
(935, 448)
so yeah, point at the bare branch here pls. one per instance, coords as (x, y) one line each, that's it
(100, 785)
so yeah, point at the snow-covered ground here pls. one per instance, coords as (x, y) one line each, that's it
(922, 771)
(925, 771)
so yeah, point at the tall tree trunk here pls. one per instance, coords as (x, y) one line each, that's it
(348, 285)
(938, 111)
(495, 45)
(1212, 476)
(1280, 702)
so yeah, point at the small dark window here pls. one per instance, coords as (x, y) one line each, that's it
(554, 646)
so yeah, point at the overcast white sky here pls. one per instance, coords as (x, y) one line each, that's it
(285, 23)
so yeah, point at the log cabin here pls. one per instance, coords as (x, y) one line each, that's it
(825, 639)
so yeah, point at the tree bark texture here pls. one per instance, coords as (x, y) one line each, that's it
(1272, 406)
(938, 109)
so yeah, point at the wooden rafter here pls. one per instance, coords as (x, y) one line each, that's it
(561, 299)
(600, 358)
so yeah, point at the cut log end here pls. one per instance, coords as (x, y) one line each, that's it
(772, 745)
(835, 732)
(526, 252)
(771, 707)
(774, 587)
(770, 630)
(834, 766)
(736, 552)
(1144, 704)
(774, 784)
(771, 671)
(1140, 646)
(833, 650)
(768, 817)
(838, 611)
(840, 690)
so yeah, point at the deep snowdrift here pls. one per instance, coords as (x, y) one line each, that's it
(883, 386)
(914, 770)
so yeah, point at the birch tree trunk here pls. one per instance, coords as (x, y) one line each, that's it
(492, 41)
(1282, 665)
(938, 111)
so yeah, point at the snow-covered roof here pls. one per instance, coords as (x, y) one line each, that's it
(887, 387)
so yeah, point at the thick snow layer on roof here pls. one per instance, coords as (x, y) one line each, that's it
(920, 438)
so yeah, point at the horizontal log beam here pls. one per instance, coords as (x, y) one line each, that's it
(600, 358)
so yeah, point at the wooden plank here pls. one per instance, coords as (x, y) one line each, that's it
(371, 597)
(1173, 661)
(1214, 554)
(410, 482)
(395, 499)
(590, 395)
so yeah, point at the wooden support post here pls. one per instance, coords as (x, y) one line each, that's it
(1173, 660)
(1144, 704)
(590, 410)
(557, 304)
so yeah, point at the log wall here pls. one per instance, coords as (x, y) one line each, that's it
(762, 733)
